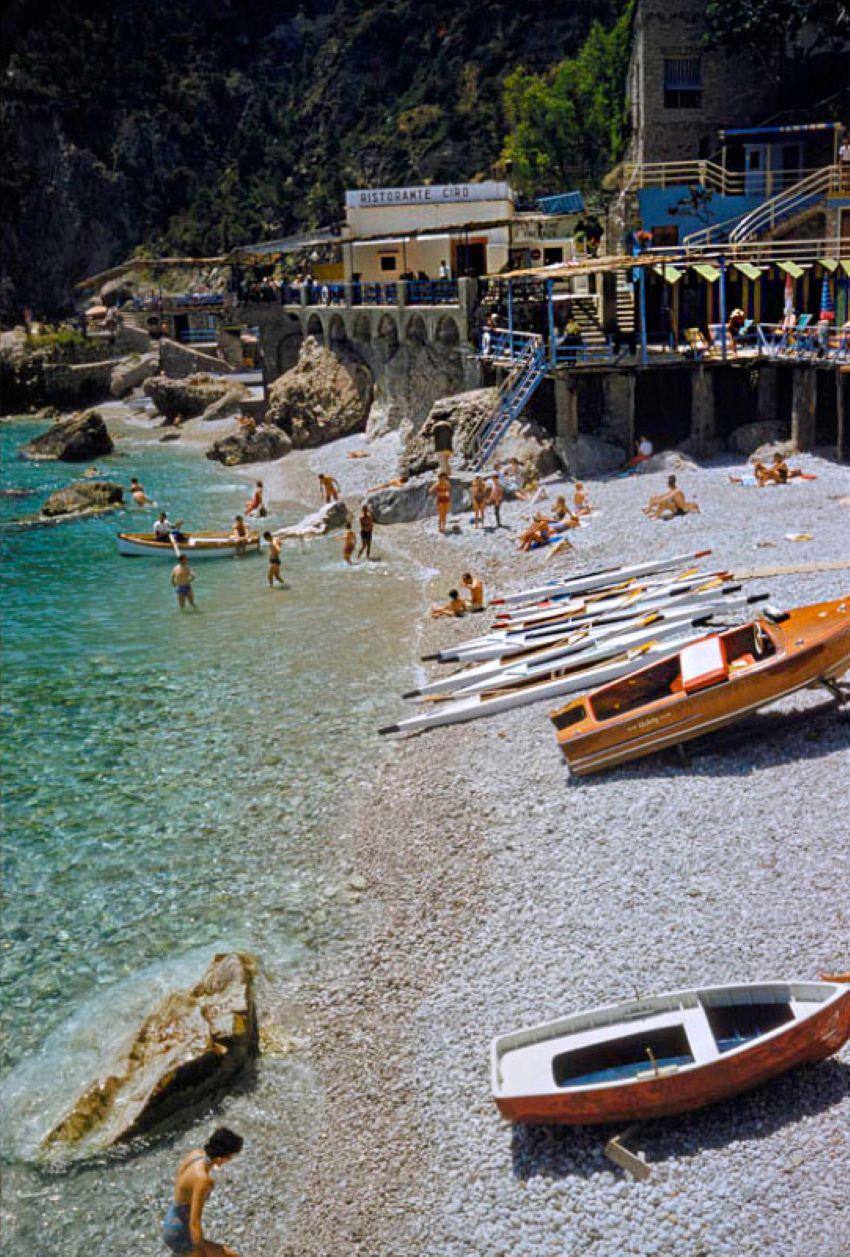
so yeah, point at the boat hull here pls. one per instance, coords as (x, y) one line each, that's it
(807, 1041)
(815, 646)
(134, 546)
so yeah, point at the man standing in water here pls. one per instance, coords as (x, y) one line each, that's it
(367, 525)
(274, 561)
(181, 578)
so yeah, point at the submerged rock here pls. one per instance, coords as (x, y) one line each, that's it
(261, 446)
(75, 440)
(84, 497)
(188, 1046)
(195, 395)
(404, 503)
(324, 396)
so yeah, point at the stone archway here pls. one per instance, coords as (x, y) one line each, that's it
(416, 333)
(448, 332)
(363, 328)
(315, 328)
(337, 335)
(388, 335)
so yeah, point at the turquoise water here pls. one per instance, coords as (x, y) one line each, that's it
(172, 782)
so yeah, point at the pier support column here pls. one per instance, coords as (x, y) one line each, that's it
(618, 416)
(842, 405)
(566, 410)
(703, 419)
(766, 393)
(803, 408)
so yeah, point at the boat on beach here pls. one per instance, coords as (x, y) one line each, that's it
(666, 1054)
(198, 545)
(707, 684)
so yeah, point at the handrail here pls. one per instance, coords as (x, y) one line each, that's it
(766, 215)
(708, 175)
(758, 251)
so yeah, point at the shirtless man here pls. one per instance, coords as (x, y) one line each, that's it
(274, 560)
(671, 503)
(239, 534)
(476, 591)
(367, 527)
(349, 541)
(329, 487)
(478, 493)
(536, 534)
(497, 497)
(137, 493)
(181, 578)
(453, 609)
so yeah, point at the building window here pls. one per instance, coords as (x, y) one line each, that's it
(682, 82)
(388, 262)
(553, 255)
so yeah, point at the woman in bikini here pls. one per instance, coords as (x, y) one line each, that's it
(182, 1229)
(442, 492)
(479, 501)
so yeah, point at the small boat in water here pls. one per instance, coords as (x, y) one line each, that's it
(197, 545)
(667, 1054)
(709, 683)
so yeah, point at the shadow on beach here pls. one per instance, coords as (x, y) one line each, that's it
(762, 741)
(562, 1152)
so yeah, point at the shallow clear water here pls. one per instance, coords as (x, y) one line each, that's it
(171, 781)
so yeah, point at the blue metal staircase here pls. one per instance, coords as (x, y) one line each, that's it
(529, 368)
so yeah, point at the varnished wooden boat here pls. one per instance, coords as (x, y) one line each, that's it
(667, 1054)
(197, 545)
(710, 683)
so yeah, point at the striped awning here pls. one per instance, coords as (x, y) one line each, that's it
(828, 264)
(707, 271)
(845, 265)
(794, 269)
(671, 273)
(749, 269)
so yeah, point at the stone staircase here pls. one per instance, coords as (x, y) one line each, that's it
(625, 306)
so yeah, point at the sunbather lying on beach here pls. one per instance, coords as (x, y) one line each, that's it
(453, 609)
(542, 530)
(777, 473)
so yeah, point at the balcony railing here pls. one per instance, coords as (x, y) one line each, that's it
(707, 174)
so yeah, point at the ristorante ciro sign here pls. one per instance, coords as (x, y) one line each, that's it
(431, 194)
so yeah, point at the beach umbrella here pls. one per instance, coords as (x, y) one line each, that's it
(827, 304)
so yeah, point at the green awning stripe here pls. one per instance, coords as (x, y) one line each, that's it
(828, 264)
(748, 269)
(845, 266)
(671, 273)
(794, 269)
(709, 272)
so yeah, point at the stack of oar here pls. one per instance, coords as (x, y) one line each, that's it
(573, 635)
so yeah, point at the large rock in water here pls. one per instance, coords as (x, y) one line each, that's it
(194, 395)
(76, 440)
(324, 396)
(402, 504)
(132, 372)
(189, 1045)
(84, 497)
(261, 446)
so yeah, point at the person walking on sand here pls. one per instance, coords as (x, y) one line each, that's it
(329, 487)
(441, 491)
(367, 525)
(181, 578)
(349, 541)
(274, 560)
(182, 1227)
(137, 493)
(254, 505)
(476, 591)
(496, 498)
(478, 492)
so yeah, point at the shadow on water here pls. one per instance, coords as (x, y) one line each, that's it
(565, 1152)
(762, 741)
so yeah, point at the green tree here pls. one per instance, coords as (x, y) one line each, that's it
(568, 125)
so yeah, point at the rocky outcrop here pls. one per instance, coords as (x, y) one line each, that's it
(591, 456)
(331, 515)
(179, 361)
(131, 373)
(466, 412)
(414, 378)
(410, 501)
(188, 1046)
(233, 402)
(193, 395)
(667, 460)
(261, 446)
(78, 439)
(84, 497)
(750, 436)
(765, 453)
(324, 396)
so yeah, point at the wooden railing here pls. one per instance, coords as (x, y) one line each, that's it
(707, 174)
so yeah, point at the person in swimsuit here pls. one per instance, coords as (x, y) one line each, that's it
(239, 534)
(476, 591)
(442, 492)
(255, 503)
(453, 609)
(580, 500)
(137, 493)
(182, 1228)
(349, 541)
(479, 501)
(274, 561)
(181, 578)
(329, 487)
(496, 498)
(367, 525)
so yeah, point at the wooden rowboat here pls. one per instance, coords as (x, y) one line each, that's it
(667, 1054)
(710, 683)
(198, 545)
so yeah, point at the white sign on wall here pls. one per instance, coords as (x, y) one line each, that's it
(432, 194)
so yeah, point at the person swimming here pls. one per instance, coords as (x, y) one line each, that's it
(182, 1227)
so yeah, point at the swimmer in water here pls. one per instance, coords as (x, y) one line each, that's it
(137, 492)
(181, 578)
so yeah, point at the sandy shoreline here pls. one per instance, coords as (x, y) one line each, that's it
(498, 892)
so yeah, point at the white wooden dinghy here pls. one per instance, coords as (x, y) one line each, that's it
(198, 545)
(667, 1054)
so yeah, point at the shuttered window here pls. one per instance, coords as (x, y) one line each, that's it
(682, 82)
